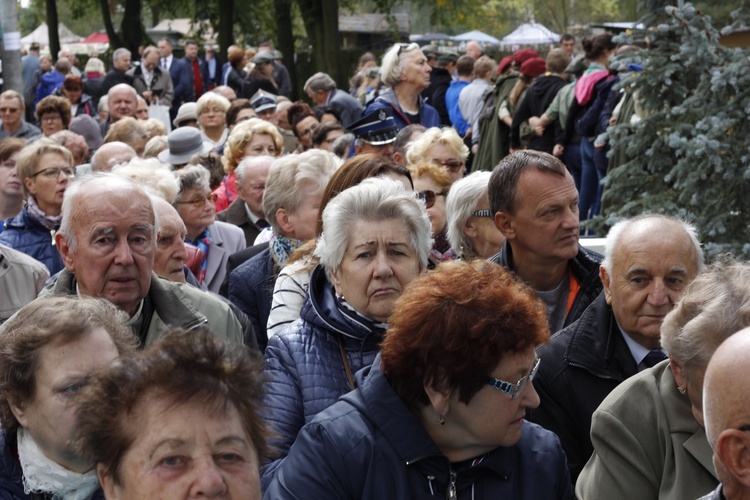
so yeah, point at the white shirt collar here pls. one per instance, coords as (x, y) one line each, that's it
(638, 351)
(253, 218)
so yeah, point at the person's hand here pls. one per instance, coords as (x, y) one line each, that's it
(558, 150)
(475, 148)
(539, 130)
(534, 122)
(613, 121)
(147, 95)
(468, 133)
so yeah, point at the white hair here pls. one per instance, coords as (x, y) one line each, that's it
(392, 67)
(463, 198)
(151, 173)
(248, 163)
(374, 199)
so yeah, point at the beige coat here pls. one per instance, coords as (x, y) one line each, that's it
(647, 445)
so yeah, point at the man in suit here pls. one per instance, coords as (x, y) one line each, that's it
(198, 70)
(649, 261)
(213, 66)
(246, 211)
(321, 89)
(182, 76)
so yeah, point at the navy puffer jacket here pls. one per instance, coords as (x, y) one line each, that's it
(304, 364)
(26, 234)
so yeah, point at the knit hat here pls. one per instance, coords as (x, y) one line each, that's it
(533, 67)
(86, 126)
(504, 65)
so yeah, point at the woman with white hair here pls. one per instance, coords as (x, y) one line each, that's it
(291, 202)
(406, 74)
(375, 241)
(471, 225)
(211, 109)
(442, 146)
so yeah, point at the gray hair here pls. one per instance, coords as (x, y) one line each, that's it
(104, 104)
(118, 53)
(615, 233)
(78, 189)
(192, 177)
(392, 67)
(460, 204)
(293, 177)
(12, 94)
(320, 81)
(94, 65)
(150, 173)
(248, 163)
(714, 306)
(374, 199)
(211, 98)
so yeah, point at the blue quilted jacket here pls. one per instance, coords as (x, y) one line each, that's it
(251, 289)
(26, 234)
(304, 365)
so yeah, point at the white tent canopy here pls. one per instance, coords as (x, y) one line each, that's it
(530, 34)
(41, 36)
(476, 36)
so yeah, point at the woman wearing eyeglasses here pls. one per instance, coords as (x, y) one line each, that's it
(441, 411)
(53, 114)
(45, 170)
(406, 74)
(217, 240)
(442, 146)
(211, 109)
(432, 183)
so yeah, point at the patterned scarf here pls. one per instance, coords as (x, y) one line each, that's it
(441, 250)
(202, 242)
(51, 222)
(282, 248)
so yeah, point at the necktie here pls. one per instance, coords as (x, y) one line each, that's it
(262, 223)
(654, 357)
(163, 63)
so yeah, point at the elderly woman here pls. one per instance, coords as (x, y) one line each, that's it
(472, 233)
(94, 77)
(406, 74)
(291, 203)
(432, 183)
(442, 146)
(291, 286)
(48, 351)
(648, 434)
(235, 74)
(53, 114)
(179, 420)
(440, 414)
(375, 241)
(253, 137)
(129, 131)
(211, 109)
(217, 240)
(11, 191)
(80, 102)
(45, 169)
(304, 123)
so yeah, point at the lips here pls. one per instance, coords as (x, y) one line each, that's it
(384, 291)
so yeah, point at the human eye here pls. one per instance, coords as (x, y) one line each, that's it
(229, 458)
(172, 461)
(363, 255)
(638, 280)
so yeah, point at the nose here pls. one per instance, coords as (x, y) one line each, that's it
(122, 253)
(659, 294)
(530, 396)
(180, 251)
(208, 482)
(383, 269)
(571, 220)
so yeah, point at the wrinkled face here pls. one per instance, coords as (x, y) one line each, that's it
(212, 116)
(186, 452)
(51, 122)
(282, 120)
(327, 143)
(191, 51)
(378, 264)
(485, 238)
(437, 211)
(253, 186)
(197, 210)
(10, 184)
(170, 255)
(10, 111)
(116, 241)
(653, 263)
(151, 60)
(261, 145)
(304, 219)
(305, 129)
(73, 95)
(492, 418)
(141, 110)
(123, 63)
(545, 225)
(473, 50)
(122, 102)
(448, 157)
(49, 181)
(318, 97)
(165, 49)
(50, 415)
(415, 71)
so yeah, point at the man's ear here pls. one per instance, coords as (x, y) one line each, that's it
(65, 252)
(505, 224)
(110, 489)
(733, 451)
(607, 282)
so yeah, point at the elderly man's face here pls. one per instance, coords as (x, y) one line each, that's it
(651, 266)
(122, 102)
(253, 186)
(114, 257)
(123, 63)
(141, 110)
(151, 60)
(170, 257)
(473, 50)
(11, 111)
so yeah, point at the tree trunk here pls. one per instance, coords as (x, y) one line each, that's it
(132, 27)
(52, 27)
(331, 40)
(11, 50)
(226, 26)
(283, 10)
(114, 37)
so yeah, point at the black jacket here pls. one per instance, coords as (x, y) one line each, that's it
(580, 366)
(585, 268)
(538, 98)
(440, 80)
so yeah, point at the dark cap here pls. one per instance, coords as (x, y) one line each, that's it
(577, 66)
(377, 127)
(262, 57)
(447, 57)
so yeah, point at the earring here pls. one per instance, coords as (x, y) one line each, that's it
(441, 420)
(681, 390)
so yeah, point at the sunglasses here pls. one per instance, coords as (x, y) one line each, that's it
(453, 165)
(429, 197)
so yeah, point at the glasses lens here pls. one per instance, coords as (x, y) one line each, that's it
(453, 165)
(428, 197)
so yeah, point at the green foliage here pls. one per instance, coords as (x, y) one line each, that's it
(689, 155)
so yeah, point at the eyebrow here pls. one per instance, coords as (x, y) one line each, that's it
(639, 270)
(372, 243)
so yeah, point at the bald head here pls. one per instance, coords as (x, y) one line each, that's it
(227, 92)
(111, 154)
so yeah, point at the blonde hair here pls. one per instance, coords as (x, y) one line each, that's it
(242, 135)
(417, 149)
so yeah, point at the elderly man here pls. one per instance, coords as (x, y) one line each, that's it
(122, 100)
(474, 50)
(107, 241)
(375, 133)
(246, 211)
(321, 88)
(150, 81)
(120, 66)
(726, 413)
(284, 127)
(535, 206)
(649, 261)
(12, 107)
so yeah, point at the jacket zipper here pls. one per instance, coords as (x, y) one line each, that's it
(451, 493)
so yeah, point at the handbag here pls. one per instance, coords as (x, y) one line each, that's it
(160, 112)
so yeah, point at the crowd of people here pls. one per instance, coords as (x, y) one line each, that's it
(207, 289)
